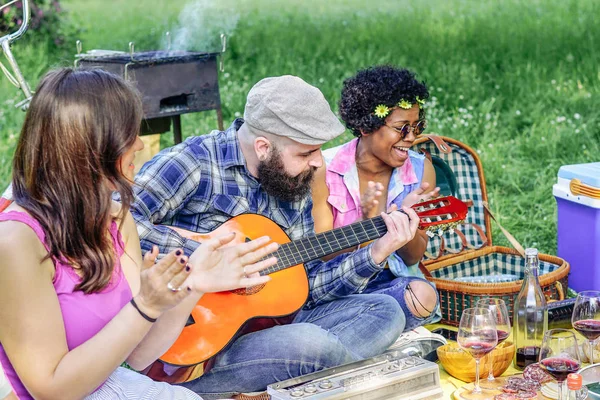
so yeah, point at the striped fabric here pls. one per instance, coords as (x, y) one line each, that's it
(125, 384)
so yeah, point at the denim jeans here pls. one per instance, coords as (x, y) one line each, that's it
(387, 283)
(331, 334)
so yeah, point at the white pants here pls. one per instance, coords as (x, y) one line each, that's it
(5, 387)
(125, 384)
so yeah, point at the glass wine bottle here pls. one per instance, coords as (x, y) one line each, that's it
(530, 317)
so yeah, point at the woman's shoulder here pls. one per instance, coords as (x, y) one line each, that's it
(15, 232)
(17, 225)
(19, 241)
(330, 154)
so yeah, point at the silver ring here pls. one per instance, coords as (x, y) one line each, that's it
(173, 289)
(244, 270)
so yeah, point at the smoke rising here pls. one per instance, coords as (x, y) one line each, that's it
(200, 25)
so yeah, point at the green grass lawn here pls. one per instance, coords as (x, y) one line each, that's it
(518, 80)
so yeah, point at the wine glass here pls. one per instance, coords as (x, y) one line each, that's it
(559, 356)
(477, 335)
(586, 317)
(500, 314)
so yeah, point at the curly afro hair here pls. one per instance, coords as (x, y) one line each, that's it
(374, 86)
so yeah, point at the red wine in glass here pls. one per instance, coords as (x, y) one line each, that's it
(502, 336)
(559, 367)
(586, 316)
(477, 335)
(500, 313)
(527, 355)
(478, 349)
(559, 356)
(589, 328)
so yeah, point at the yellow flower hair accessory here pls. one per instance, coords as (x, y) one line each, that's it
(420, 101)
(407, 105)
(382, 111)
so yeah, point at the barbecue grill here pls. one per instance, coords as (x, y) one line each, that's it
(171, 82)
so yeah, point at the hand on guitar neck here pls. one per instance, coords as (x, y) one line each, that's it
(371, 207)
(401, 229)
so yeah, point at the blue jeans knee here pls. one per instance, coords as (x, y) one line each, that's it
(387, 283)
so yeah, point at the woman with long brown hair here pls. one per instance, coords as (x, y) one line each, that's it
(76, 297)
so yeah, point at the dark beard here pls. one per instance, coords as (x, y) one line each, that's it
(277, 183)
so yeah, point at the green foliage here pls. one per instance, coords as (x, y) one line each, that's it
(49, 22)
(518, 81)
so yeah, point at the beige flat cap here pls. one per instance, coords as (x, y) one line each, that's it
(288, 106)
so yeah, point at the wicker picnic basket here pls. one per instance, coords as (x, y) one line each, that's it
(455, 261)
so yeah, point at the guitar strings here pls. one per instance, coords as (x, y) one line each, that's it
(336, 240)
(291, 253)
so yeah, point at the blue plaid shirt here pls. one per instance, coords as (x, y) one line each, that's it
(201, 183)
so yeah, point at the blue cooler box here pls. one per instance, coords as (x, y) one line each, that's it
(577, 194)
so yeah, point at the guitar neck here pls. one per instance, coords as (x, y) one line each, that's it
(322, 244)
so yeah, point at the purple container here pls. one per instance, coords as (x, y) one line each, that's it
(577, 194)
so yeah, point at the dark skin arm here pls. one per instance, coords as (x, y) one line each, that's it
(413, 251)
(321, 212)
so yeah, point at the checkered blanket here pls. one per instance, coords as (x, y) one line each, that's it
(465, 169)
(491, 264)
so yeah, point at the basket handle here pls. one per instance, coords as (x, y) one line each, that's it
(510, 237)
(441, 145)
(560, 290)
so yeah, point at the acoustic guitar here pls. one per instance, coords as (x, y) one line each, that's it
(219, 318)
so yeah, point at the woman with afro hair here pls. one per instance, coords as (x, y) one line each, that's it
(377, 172)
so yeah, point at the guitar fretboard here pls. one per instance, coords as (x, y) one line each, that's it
(317, 246)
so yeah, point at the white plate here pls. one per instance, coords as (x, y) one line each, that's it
(591, 374)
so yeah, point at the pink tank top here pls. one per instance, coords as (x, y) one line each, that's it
(84, 315)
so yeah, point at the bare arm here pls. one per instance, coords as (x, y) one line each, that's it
(321, 212)
(32, 331)
(170, 324)
(413, 251)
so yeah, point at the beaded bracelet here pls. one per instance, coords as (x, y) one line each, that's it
(143, 314)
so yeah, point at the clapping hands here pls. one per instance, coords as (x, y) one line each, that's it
(216, 267)
(213, 267)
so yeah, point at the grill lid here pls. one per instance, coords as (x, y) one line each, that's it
(145, 57)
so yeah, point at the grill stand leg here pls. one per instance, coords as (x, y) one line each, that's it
(176, 128)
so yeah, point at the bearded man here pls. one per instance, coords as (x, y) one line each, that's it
(264, 164)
